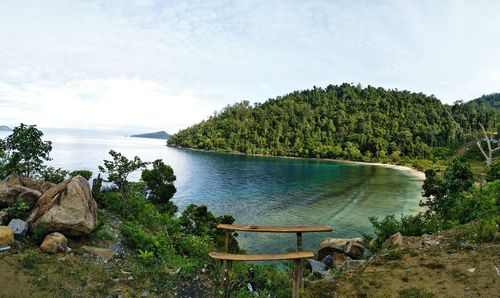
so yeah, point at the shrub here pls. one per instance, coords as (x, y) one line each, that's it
(160, 184)
(53, 175)
(18, 209)
(84, 173)
(493, 172)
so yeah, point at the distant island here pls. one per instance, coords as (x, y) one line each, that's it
(5, 128)
(153, 135)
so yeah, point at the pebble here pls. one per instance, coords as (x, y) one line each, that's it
(145, 293)
(471, 270)
(130, 278)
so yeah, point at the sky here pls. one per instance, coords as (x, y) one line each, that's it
(164, 65)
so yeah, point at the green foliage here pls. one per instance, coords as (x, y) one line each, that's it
(84, 173)
(119, 168)
(18, 209)
(493, 172)
(31, 260)
(26, 150)
(415, 293)
(197, 220)
(160, 185)
(146, 257)
(53, 175)
(340, 122)
(452, 201)
(38, 233)
(407, 225)
(445, 194)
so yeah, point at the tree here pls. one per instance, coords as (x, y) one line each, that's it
(160, 184)
(489, 140)
(119, 168)
(26, 150)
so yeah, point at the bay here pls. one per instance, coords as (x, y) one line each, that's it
(257, 190)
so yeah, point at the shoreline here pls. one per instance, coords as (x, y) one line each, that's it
(412, 171)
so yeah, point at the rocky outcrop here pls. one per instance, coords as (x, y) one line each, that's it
(26, 189)
(19, 227)
(53, 243)
(67, 208)
(393, 241)
(6, 236)
(331, 245)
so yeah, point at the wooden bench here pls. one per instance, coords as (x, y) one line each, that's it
(297, 256)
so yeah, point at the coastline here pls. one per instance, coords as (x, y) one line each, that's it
(414, 172)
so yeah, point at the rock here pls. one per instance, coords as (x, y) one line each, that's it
(328, 261)
(4, 217)
(329, 245)
(6, 236)
(394, 240)
(53, 243)
(19, 227)
(430, 242)
(103, 253)
(26, 189)
(67, 208)
(339, 259)
(355, 250)
(367, 253)
(316, 266)
(119, 249)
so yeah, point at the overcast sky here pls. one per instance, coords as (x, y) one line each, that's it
(146, 65)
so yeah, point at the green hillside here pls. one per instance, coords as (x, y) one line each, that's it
(343, 121)
(153, 135)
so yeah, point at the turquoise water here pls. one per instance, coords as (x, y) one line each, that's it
(259, 190)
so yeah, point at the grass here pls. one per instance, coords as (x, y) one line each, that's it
(415, 293)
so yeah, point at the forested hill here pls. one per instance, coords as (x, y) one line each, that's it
(343, 121)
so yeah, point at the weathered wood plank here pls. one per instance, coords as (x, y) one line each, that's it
(262, 257)
(276, 229)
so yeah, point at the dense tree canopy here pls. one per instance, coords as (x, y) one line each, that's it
(343, 121)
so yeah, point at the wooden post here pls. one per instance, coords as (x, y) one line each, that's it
(296, 278)
(227, 280)
(299, 248)
(225, 264)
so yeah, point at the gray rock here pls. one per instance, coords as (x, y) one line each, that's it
(19, 227)
(328, 261)
(119, 249)
(367, 253)
(316, 266)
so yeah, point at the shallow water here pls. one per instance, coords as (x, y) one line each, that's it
(259, 190)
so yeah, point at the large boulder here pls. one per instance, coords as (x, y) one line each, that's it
(67, 208)
(26, 189)
(329, 246)
(53, 243)
(19, 227)
(6, 236)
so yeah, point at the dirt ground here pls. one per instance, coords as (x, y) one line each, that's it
(434, 270)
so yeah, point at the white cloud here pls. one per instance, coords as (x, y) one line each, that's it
(189, 58)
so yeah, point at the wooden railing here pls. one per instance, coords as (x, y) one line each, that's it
(297, 256)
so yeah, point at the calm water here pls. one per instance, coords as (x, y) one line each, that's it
(258, 190)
